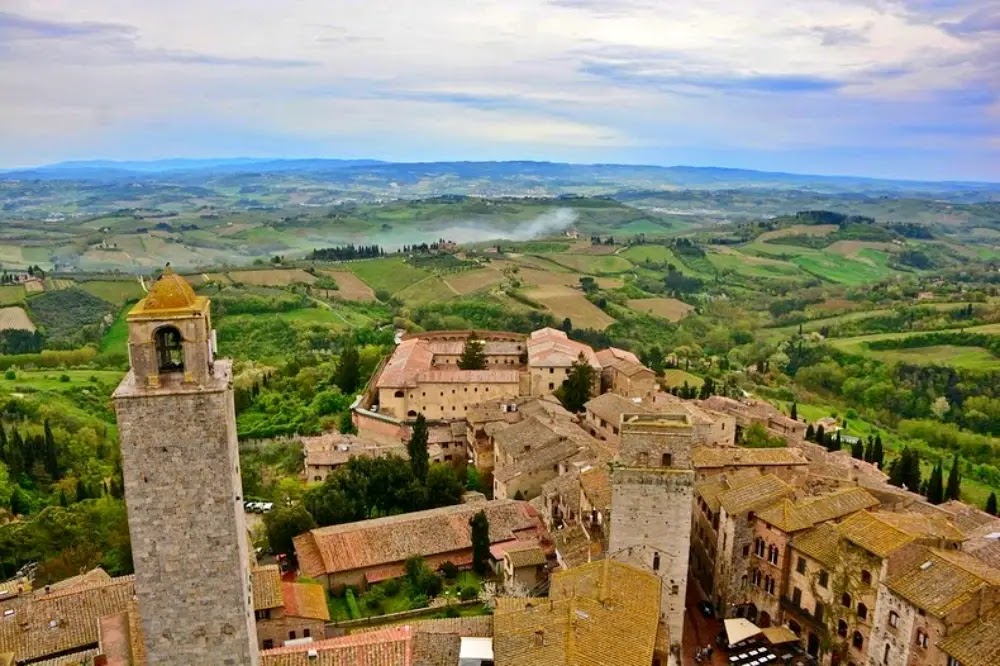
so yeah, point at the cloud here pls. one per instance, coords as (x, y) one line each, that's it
(833, 35)
(13, 26)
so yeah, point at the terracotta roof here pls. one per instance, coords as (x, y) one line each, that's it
(876, 533)
(266, 583)
(531, 433)
(437, 642)
(711, 489)
(985, 549)
(334, 448)
(791, 517)
(941, 581)
(573, 545)
(978, 643)
(596, 485)
(93, 577)
(390, 540)
(526, 556)
(822, 543)
(601, 613)
(607, 356)
(609, 407)
(540, 458)
(755, 495)
(490, 347)
(76, 659)
(411, 357)
(305, 600)
(385, 647)
(548, 347)
(703, 457)
(969, 519)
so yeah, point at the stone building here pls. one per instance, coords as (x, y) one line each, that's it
(524, 565)
(623, 373)
(325, 453)
(370, 551)
(598, 613)
(931, 599)
(183, 494)
(603, 415)
(774, 529)
(651, 494)
(301, 612)
(837, 570)
(976, 644)
(551, 355)
(749, 411)
(787, 464)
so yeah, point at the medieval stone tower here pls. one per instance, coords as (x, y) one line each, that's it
(652, 484)
(177, 427)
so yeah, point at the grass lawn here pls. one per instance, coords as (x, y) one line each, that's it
(391, 274)
(49, 380)
(428, 290)
(116, 337)
(400, 601)
(676, 377)
(118, 292)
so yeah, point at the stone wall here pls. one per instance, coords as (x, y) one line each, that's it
(185, 507)
(279, 628)
(442, 400)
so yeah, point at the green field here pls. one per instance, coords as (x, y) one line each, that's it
(429, 290)
(601, 264)
(753, 266)
(118, 292)
(50, 380)
(959, 357)
(676, 377)
(116, 337)
(391, 274)
(11, 295)
(659, 254)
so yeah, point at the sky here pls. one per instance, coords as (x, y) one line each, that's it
(900, 89)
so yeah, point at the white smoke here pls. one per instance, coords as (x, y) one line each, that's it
(546, 224)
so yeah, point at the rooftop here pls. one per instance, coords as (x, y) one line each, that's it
(755, 495)
(610, 407)
(596, 485)
(170, 295)
(384, 647)
(306, 600)
(711, 489)
(883, 532)
(822, 543)
(942, 581)
(707, 457)
(381, 541)
(793, 516)
(601, 613)
(549, 347)
(978, 643)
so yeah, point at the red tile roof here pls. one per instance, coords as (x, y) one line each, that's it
(385, 647)
(548, 347)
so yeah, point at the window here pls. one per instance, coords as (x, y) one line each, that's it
(797, 597)
(857, 640)
(551, 386)
(268, 643)
(841, 628)
(398, 394)
(954, 662)
(263, 614)
(667, 460)
(758, 547)
(885, 655)
(755, 578)
(656, 561)
(845, 600)
(291, 635)
(862, 611)
(539, 638)
(866, 577)
(794, 626)
(552, 371)
(305, 633)
(824, 579)
(746, 550)
(893, 619)
(800, 566)
(772, 554)
(769, 585)
(819, 612)
(921, 638)
(169, 349)
(751, 516)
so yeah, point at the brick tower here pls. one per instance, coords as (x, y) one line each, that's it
(177, 427)
(652, 484)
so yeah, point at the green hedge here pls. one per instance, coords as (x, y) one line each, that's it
(352, 605)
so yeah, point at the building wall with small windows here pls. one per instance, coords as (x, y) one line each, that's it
(274, 627)
(444, 400)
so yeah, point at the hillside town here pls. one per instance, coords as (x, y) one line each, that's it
(639, 529)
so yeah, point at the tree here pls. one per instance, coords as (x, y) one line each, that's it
(576, 390)
(473, 355)
(878, 455)
(821, 435)
(346, 424)
(904, 471)
(935, 485)
(6, 487)
(954, 487)
(480, 525)
(991, 504)
(810, 433)
(707, 389)
(869, 449)
(348, 374)
(858, 450)
(794, 412)
(833, 443)
(417, 449)
(567, 325)
(284, 523)
(654, 360)
(443, 486)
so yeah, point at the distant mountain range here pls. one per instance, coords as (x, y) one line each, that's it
(518, 175)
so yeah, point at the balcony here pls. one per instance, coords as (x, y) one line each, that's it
(803, 615)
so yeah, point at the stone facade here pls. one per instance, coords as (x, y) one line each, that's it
(183, 493)
(651, 495)
(274, 627)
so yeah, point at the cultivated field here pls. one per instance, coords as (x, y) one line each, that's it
(391, 274)
(34, 287)
(668, 308)
(467, 282)
(278, 277)
(750, 265)
(853, 249)
(799, 230)
(607, 264)
(429, 290)
(351, 287)
(567, 302)
(14, 319)
(675, 377)
(114, 291)
(655, 253)
(11, 294)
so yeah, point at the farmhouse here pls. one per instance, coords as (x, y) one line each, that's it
(371, 551)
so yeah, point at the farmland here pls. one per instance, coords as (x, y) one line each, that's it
(467, 282)
(674, 377)
(117, 292)
(391, 275)
(591, 265)
(15, 319)
(565, 302)
(670, 309)
(272, 278)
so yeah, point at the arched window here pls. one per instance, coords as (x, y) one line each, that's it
(866, 577)
(857, 640)
(169, 349)
(862, 611)
(841, 628)
(845, 600)
(398, 394)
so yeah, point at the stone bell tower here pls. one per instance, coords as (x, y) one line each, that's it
(177, 427)
(652, 486)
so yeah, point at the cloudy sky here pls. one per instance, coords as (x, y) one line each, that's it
(906, 88)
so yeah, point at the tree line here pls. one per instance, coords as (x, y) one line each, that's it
(346, 253)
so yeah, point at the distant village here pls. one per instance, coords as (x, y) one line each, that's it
(638, 531)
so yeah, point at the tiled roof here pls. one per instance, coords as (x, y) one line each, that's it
(548, 347)
(755, 495)
(334, 448)
(411, 357)
(601, 613)
(266, 583)
(874, 533)
(531, 433)
(969, 519)
(62, 621)
(941, 581)
(573, 545)
(389, 540)
(711, 489)
(437, 642)
(539, 458)
(385, 647)
(609, 407)
(791, 517)
(737, 456)
(978, 643)
(93, 577)
(605, 356)
(922, 525)
(822, 543)
(530, 556)
(596, 485)
(305, 600)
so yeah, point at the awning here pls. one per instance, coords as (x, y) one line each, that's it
(739, 629)
(779, 635)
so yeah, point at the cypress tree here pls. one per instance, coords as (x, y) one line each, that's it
(576, 390)
(63, 500)
(15, 455)
(81, 491)
(51, 453)
(821, 435)
(878, 455)
(869, 449)
(473, 354)
(348, 375)
(858, 450)
(953, 490)
(794, 412)
(3, 444)
(991, 504)
(935, 486)
(417, 449)
(810, 433)
(480, 525)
